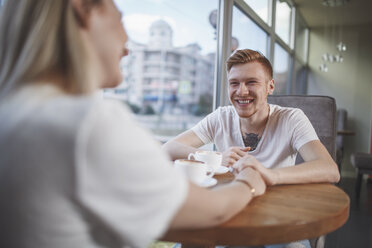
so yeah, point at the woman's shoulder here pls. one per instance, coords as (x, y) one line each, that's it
(82, 106)
(47, 108)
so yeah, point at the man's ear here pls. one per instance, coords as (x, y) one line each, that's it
(81, 12)
(271, 87)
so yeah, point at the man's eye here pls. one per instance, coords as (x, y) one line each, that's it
(234, 83)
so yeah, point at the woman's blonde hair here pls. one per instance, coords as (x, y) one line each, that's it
(40, 38)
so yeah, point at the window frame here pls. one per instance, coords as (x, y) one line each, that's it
(224, 31)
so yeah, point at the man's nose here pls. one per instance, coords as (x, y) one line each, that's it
(243, 89)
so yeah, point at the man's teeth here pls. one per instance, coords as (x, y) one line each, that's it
(244, 101)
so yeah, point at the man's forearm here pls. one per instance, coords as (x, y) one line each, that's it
(318, 167)
(178, 150)
(315, 171)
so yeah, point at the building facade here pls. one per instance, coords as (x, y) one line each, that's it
(164, 76)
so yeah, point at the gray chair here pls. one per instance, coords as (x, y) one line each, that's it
(321, 111)
(362, 163)
(341, 125)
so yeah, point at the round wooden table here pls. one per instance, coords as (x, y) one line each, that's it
(283, 214)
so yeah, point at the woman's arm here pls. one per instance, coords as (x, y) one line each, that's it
(204, 208)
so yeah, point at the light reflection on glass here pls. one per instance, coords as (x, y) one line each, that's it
(283, 20)
(281, 70)
(169, 72)
(261, 7)
(248, 34)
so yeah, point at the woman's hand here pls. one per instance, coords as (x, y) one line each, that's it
(254, 179)
(270, 176)
(233, 154)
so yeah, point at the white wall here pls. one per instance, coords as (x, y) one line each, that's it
(350, 83)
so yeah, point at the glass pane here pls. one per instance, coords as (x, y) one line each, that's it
(301, 40)
(281, 70)
(283, 20)
(261, 7)
(299, 86)
(248, 34)
(169, 73)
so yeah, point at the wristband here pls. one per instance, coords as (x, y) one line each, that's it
(253, 190)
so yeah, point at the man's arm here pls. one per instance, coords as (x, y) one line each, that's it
(318, 167)
(182, 145)
(188, 142)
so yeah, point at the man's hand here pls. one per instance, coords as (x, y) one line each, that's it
(254, 178)
(233, 154)
(270, 176)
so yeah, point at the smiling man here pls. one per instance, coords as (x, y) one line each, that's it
(254, 133)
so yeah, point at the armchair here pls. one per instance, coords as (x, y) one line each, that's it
(321, 111)
(362, 163)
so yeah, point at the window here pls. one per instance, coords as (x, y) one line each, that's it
(281, 70)
(169, 73)
(248, 34)
(261, 7)
(300, 78)
(283, 20)
(153, 55)
(302, 34)
(152, 68)
(173, 57)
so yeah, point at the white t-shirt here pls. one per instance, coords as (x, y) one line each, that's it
(79, 172)
(286, 131)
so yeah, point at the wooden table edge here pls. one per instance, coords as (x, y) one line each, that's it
(210, 237)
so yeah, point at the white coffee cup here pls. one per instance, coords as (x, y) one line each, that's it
(211, 158)
(196, 171)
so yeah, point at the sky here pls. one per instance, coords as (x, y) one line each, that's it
(189, 20)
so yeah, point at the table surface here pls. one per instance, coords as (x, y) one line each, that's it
(283, 214)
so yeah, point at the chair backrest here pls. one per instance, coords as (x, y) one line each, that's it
(341, 125)
(321, 111)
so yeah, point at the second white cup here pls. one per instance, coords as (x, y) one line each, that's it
(211, 158)
(196, 171)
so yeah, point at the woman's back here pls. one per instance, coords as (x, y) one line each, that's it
(67, 180)
(77, 171)
(36, 139)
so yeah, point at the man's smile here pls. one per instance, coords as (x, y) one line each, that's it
(244, 101)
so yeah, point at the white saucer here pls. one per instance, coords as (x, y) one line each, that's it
(208, 182)
(221, 170)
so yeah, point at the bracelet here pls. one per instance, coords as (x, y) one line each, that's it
(253, 190)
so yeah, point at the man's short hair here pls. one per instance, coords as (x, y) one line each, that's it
(244, 56)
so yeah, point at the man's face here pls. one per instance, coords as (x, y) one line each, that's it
(249, 85)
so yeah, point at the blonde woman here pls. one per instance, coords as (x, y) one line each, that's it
(75, 170)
